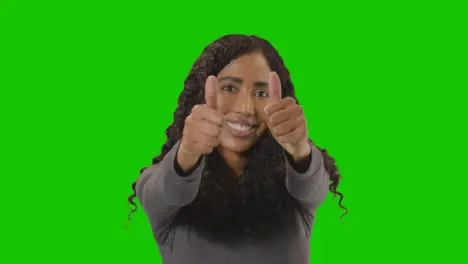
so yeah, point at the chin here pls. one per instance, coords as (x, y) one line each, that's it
(237, 145)
(240, 145)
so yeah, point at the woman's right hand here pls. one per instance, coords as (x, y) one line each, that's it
(202, 128)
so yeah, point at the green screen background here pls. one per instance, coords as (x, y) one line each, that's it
(89, 87)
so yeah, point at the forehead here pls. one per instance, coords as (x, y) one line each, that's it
(253, 65)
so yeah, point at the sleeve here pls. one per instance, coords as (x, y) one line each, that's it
(161, 190)
(308, 183)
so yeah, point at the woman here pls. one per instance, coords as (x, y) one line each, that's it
(238, 180)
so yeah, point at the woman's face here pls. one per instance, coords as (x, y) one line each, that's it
(242, 96)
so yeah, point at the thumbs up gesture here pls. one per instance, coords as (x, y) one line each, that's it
(286, 121)
(203, 125)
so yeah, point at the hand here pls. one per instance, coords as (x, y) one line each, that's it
(286, 121)
(202, 127)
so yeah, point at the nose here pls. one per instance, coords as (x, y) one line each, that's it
(244, 104)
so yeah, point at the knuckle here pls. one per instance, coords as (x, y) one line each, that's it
(193, 110)
(273, 118)
(186, 131)
(188, 123)
(196, 108)
(188, 119)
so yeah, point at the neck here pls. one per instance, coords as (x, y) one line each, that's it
(234, 160)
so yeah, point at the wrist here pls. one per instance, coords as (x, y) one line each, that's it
(302, 152)
(186, 160)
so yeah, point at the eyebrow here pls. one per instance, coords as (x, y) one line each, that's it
(239, 81)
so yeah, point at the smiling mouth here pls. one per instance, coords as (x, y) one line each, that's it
(240, 130)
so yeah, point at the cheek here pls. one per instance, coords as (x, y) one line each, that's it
(261, 116)
(223, 105)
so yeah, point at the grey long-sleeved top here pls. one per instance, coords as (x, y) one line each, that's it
(161, 191)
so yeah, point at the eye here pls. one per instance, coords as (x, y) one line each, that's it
(228, 88)
(261, 94)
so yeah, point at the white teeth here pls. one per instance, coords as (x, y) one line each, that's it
(239, 127)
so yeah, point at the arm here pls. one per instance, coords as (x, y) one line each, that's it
(162, 190)
(308, 182)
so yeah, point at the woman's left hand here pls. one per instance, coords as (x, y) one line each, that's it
(286, 121)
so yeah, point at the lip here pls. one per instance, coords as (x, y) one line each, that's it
(242, 121)
(240, 133)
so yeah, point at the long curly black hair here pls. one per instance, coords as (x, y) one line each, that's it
(255, 205)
